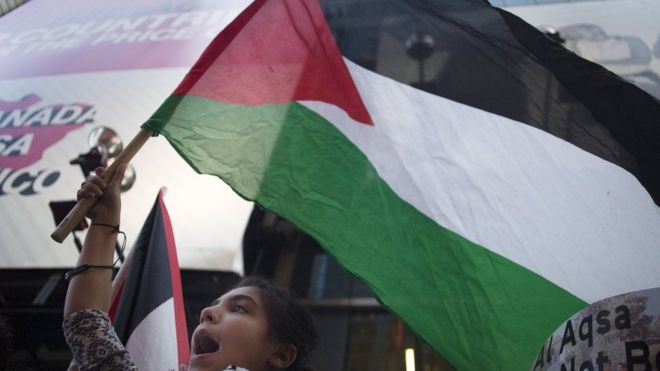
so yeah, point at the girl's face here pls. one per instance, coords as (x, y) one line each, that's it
(233, 331)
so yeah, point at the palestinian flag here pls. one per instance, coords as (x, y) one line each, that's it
(147, 305)
(484, 214)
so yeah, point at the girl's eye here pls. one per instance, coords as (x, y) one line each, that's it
(237, 308)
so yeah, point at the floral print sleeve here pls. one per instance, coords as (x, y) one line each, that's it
(94, 342)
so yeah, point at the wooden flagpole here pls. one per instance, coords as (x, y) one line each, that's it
(82, 207)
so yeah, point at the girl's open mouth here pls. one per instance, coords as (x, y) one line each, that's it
(203, 343)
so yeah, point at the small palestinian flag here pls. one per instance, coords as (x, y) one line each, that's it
(147, 307)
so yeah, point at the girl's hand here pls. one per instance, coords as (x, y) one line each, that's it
(108, 205)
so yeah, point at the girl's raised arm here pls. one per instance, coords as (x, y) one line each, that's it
(90, 283)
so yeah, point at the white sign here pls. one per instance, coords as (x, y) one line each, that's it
(69, 66)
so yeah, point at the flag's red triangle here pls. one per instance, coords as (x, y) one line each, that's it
(276, 51)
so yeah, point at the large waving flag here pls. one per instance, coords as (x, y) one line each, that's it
(481, 228)
(147, 307)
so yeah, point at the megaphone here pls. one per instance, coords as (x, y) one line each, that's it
(104, 147)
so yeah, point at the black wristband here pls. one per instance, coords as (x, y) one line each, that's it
(114, 227)
(83, 268)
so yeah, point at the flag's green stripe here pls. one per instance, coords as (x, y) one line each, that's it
(478, 309)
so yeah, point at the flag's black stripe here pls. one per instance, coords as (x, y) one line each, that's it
(148, 283)
(478, 60)
(631, 115)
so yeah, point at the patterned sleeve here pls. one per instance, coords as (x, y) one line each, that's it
(94, 342)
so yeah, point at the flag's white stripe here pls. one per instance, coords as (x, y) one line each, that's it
(152, 344)
(582, 222)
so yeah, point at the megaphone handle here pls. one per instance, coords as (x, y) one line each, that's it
(82, 207)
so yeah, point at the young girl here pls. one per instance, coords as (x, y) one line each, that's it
(255, 326)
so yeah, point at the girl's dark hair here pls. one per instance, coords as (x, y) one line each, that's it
(290, 323)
